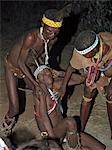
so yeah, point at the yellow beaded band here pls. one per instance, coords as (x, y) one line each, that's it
(87, 99)
(51, 23)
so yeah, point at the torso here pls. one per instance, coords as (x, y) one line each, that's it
(107, 43)
(38, 47)
(55, 116)
(107, 50)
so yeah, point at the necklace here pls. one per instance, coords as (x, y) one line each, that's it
(45, 46)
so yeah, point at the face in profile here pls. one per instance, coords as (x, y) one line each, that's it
(45, 76)
(50, 32)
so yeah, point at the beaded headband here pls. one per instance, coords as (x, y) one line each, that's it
(51, 23)
(89, 49)
(39, 69)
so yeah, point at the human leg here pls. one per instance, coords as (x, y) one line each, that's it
(67, 127)
(109, 104)
(109, 111)
(11, 82)
(88, 142)
(86, 106)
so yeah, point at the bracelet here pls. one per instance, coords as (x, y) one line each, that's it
(44, 134)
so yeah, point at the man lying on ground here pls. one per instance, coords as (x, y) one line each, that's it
(48, 114)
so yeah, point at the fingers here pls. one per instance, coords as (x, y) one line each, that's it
(55, 73)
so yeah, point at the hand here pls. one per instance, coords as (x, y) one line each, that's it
(37, 89)
(55, 73)
(62, 92)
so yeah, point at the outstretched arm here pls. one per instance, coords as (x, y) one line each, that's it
(66, 79)
(76, 79)
(109, 90)
(27, 44)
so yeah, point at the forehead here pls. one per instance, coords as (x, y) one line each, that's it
(45, 70)
(51, 28)
(92, 53)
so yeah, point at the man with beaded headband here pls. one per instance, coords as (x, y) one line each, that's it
(92, 56)
(20, 62)
(48, 114)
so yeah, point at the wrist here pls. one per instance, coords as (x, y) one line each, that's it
(61, 73)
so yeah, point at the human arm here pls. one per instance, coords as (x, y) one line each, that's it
(107, 40)
(43, 111)
(109, 91)
(57, 74)
(67, 76)
(76, 79)
(28, 42)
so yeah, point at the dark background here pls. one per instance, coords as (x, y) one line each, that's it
(19, 16)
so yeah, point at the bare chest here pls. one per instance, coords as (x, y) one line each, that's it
(38, 48)
(50, 102)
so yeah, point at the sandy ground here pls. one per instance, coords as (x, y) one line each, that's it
(26, 128)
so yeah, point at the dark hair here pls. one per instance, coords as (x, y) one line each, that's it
(84, 40)
(52, 15)
(58, 15)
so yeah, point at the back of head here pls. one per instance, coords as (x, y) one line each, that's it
(86, 41)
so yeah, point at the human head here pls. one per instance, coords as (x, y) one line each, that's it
(87, 43)
(51, 23)
(44, 74)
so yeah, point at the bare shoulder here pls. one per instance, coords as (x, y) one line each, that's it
(107, 38)
(106, 35)
(31, 35)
